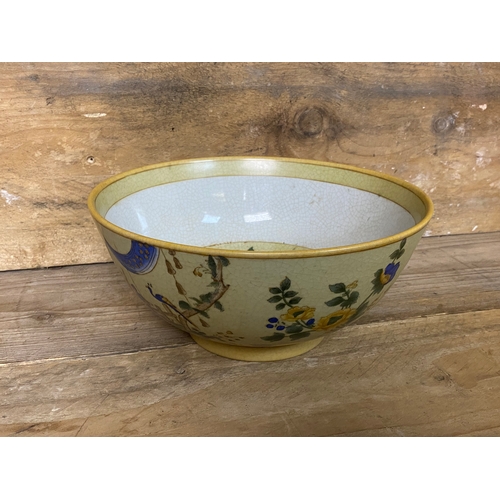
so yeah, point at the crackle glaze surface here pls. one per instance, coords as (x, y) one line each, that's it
(268, 287)
(299, 212)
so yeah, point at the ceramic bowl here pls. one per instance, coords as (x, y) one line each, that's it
(259, 258)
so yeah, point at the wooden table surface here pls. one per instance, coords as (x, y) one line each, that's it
(80, 355)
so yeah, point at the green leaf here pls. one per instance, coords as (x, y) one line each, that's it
(297, 313)
(333, 320)
(184, 305)
(377, 285)
(294, 328)
(274, 338)
(337, 288)
(274, 290)
(203, 313)
(196, 299)
(285, 284)
(212, 266)
(289, 294)
(224, 261)
(206, 297)
(353, 298)
(334, 302)
(218, 306)
(251, 249)
(301, 335)
(397, 254)
(274, 299)
(295, 300)
(280, 306)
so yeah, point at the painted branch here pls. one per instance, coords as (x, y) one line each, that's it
(217, 294)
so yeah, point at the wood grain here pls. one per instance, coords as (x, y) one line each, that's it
(65, 127)
(81, 357)
(436, 375)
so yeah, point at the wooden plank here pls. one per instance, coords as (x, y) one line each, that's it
(76, 311)
(89, 310)
(428, 376)
(66, 127)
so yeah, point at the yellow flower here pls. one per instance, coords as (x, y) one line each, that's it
(330, 322)
(353, 285)
(298, 313)
(385, 278)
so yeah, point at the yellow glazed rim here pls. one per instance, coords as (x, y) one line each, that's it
(318, 252)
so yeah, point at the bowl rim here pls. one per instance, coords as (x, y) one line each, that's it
(285, 254)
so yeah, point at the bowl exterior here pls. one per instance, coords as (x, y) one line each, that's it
(258, 302)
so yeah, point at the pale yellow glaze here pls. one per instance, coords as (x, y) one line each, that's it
(257, 353)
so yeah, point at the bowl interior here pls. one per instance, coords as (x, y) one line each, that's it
(231, 210)
(261, 205)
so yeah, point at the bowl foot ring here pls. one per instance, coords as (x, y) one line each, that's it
(242, 353)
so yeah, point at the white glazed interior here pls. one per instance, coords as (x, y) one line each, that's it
(228, 209)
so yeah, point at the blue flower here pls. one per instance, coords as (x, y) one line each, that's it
(389, 273)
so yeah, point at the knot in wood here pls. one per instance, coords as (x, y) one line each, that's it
(311, 121)
(45, 317)
(443, 124)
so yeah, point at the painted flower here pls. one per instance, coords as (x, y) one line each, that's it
(352, 285)
(334, 319)
(389, 273)
(299, 313)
